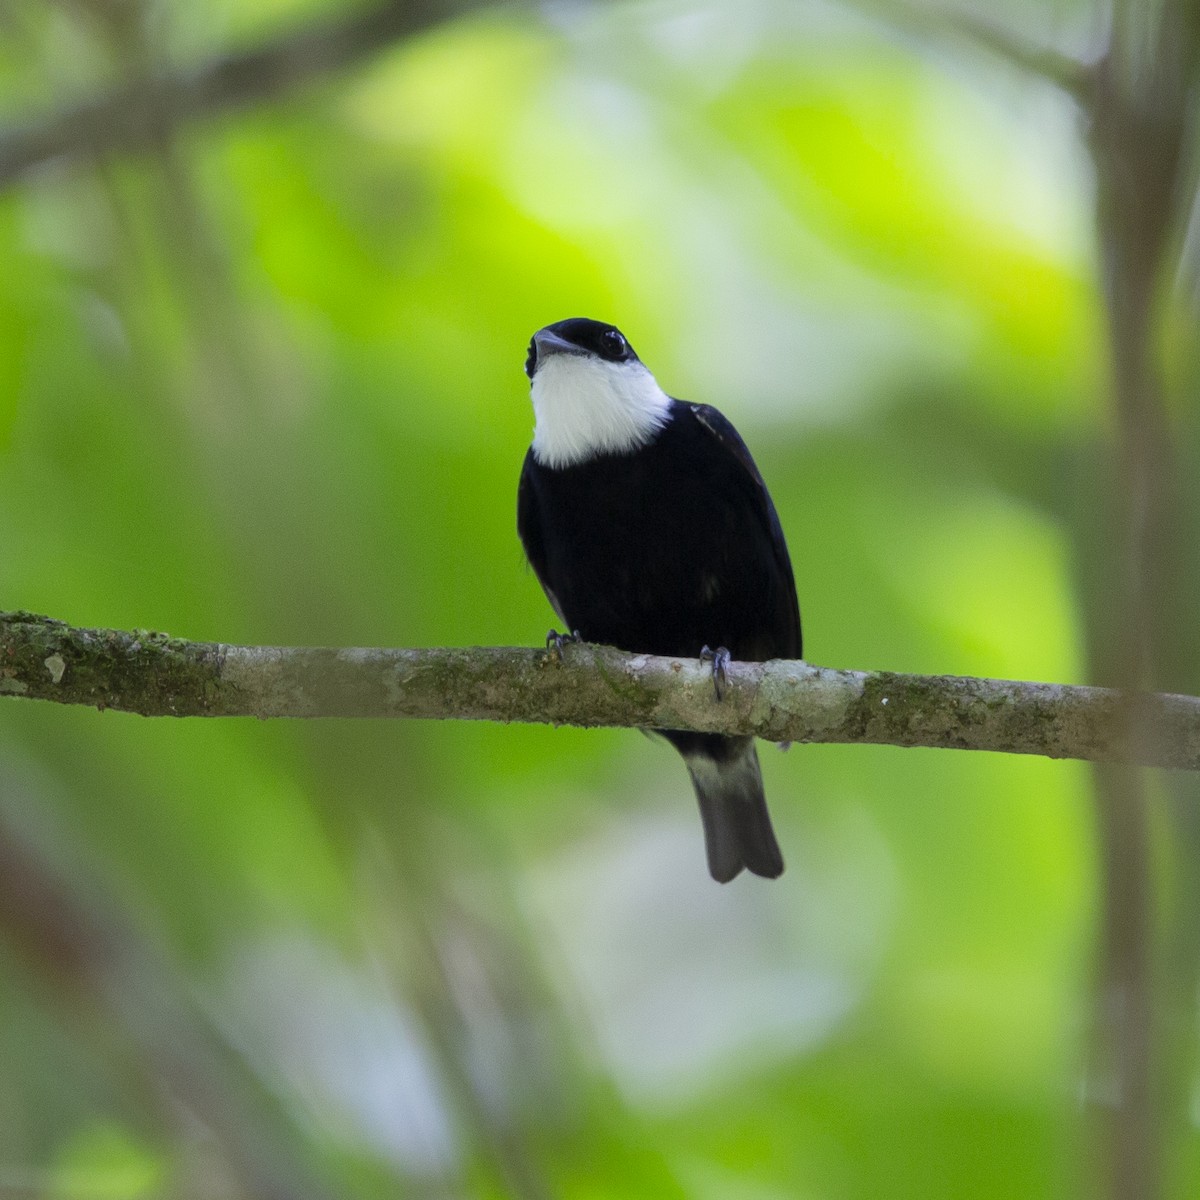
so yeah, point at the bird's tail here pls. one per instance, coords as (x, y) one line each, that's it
(737, 826)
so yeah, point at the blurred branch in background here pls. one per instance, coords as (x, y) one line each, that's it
(1137, 561)
(942, 23)
(138, 114)
(155, 675)
(1141, 634)
(97, 969)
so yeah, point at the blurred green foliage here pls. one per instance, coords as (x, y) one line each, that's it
(264, 384)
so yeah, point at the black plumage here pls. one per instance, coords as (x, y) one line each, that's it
(664, 546)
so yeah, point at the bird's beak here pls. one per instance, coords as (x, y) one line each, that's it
(548, 343)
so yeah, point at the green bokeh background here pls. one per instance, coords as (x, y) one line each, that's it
(263, 384)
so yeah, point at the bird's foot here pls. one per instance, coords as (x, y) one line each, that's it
(556, 641)
(720, 659)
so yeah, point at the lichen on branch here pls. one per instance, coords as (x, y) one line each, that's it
(157, 675)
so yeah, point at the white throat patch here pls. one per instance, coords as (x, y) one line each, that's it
(584, 407)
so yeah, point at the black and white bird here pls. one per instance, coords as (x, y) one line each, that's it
(650, 529)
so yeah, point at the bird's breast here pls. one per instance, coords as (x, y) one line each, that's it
(651, 553)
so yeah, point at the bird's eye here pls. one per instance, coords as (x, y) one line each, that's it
(531, 358)
(613, 345)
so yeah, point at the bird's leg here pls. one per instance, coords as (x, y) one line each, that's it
(556, 641)
(720, 659)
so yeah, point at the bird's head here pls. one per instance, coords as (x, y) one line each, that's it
(592, 395)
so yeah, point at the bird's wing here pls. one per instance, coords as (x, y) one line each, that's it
(529, 530)
(731, 442)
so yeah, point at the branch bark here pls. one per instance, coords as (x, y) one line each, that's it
(156, 675)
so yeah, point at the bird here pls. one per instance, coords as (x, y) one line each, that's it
(650, 529)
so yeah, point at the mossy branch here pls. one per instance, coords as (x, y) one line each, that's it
(157, 675)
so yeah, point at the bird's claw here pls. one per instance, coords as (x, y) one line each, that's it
(720, 659)
(556, 641)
